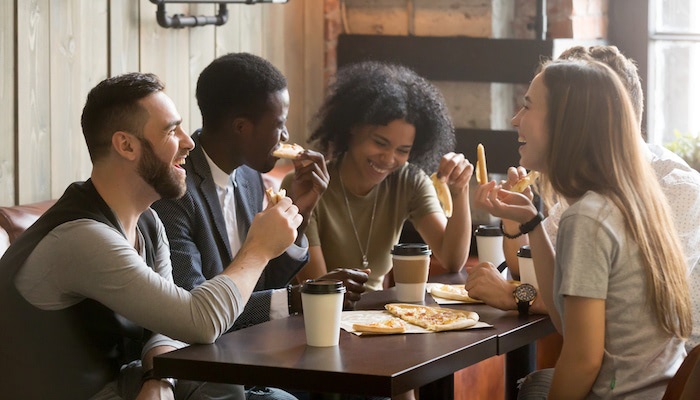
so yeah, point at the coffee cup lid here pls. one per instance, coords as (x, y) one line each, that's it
(322, 286)
(524, 251)
(488, 230)
(411, 249)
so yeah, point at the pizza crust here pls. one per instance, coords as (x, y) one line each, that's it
(433, 318)
(482, 175)
(393, 325)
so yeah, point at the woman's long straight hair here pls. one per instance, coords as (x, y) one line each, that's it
(594, 145)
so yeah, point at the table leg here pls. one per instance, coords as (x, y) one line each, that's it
(443, 388)
(519, 363)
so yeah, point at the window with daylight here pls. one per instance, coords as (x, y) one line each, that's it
(673, 97)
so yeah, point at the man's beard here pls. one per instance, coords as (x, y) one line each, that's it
(159, 174)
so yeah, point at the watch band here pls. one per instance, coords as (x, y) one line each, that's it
(523, 307)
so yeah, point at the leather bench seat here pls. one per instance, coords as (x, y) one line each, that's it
(14, 220)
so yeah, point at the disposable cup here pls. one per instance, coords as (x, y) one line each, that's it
(322, 303)
(411, 263)
(527, 268)
(489, 244)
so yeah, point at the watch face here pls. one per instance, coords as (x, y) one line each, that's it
(525, 292)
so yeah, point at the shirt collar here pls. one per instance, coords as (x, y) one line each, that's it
(221, 178)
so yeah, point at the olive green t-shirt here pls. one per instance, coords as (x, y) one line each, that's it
(407, 193)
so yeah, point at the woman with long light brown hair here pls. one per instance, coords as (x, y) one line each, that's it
(617, 290)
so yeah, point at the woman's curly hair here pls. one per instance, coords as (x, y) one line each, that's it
(374, 93)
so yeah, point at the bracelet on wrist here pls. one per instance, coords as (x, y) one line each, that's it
(507, 235)
(525, 228)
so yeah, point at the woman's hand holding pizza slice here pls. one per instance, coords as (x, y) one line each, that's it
(452, 180)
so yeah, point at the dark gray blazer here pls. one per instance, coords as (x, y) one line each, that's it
(199, 244)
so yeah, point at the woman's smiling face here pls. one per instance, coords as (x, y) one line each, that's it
(531, 122)
(375, 151)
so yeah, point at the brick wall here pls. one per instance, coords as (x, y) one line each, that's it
(579, 19)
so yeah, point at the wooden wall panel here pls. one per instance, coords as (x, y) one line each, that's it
(284, 47)
(228, 37)
(314, 67)
(202, 52)
(64, 47)
(33, 101)
(251, 29)
(165, 52)
(7, 102)
(78, 35)
(123, 43)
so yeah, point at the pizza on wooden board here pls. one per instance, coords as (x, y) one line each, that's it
(433, 318)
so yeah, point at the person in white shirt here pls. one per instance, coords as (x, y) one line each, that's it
(244, 103)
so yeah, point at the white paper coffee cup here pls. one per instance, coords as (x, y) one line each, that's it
(489, 244)
(411, 263)
(322, 302)
(527, 268)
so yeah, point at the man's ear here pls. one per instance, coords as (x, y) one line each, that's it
(242, 126)
(126, 145)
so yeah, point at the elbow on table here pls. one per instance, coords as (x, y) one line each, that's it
(203, 337)
(452, 266)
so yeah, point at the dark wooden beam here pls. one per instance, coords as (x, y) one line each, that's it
(450, 58)
(501, 147)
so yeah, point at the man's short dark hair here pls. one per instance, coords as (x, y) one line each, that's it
(237, 85)
(112, 106)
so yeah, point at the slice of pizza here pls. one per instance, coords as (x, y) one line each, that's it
(433, 318)
(288, 150)
(524, 182)
(273, 197)
(443, 194)
(453, 292)
(392, 325)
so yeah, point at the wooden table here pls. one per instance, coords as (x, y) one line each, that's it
(275, 354)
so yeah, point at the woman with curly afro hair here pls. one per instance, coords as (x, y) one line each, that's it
(383, 129)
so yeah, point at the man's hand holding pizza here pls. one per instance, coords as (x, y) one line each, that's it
(310, 181)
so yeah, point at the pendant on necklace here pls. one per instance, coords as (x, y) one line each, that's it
(365, 263)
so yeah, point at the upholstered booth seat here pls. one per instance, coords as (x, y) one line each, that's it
(14, 220)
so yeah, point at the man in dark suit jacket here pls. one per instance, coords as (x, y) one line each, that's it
(244, 102)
